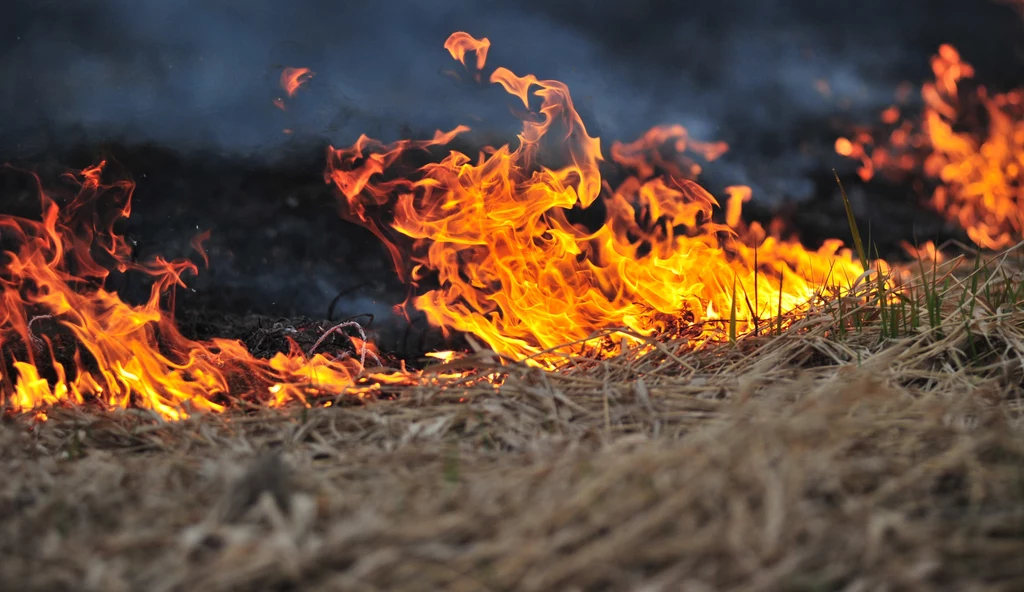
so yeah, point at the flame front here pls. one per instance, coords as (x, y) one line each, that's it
(54, 306)
(506, 240)
(971, 142)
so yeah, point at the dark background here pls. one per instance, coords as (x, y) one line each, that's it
(180, 95)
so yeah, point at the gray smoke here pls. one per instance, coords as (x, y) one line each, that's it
(201, 74)
(197, 78)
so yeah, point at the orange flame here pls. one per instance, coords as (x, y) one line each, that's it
(982, 178)
(458, 44)
(293, 78)
(973, 145)
(54, 309)
(505, 236)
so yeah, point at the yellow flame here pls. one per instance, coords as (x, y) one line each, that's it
(52, 297)
(515, 263)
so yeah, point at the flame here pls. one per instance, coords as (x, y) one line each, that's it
(460, 43)
(529, 248)
(970, 141)
(505, 237)
(55, 309)
(927, 252)
(444, 356)
(293, 78)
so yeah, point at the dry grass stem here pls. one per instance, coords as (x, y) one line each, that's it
(824, 458)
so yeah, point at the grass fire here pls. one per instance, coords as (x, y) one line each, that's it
(638, 383)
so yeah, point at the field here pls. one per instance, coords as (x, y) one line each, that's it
(883, 455)
(616, 380)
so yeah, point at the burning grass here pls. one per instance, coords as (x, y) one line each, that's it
(503, 235)
(969, 143)
(733, 411)
(512, 264)
(819, 458)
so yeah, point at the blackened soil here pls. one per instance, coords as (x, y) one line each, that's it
(283, 264)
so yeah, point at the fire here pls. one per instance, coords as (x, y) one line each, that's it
(970, 141)
(540, 249)
(506, 239)
(293, 78)
(55, 310)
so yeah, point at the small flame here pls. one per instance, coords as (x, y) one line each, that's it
(293, 78)
(459, 44)
(444, 356)
(927, 252)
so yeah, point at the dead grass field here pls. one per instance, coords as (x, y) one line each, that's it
(801, 461)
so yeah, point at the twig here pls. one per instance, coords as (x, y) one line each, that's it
(39, 343)
(338, 329)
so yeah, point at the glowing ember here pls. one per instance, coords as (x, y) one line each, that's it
(970, 141)
(503, 236)
(54, 309)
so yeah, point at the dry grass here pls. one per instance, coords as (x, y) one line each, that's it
(806, 461)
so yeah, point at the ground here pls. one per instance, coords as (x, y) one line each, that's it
(796, 462)
(816, 459)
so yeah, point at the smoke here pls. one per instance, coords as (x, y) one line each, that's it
(202, 74)
(199, 77)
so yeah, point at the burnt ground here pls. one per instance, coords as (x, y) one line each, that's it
(278, 250)
(281, 255)
(97, 81)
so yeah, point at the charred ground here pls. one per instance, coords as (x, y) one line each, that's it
(281, 255)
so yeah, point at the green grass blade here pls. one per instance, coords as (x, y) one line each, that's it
(782, 278)
(853, 223)
(732, 314)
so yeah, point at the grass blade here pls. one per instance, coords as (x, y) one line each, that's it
(732, 314)
(782, 277)
(857, 243)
